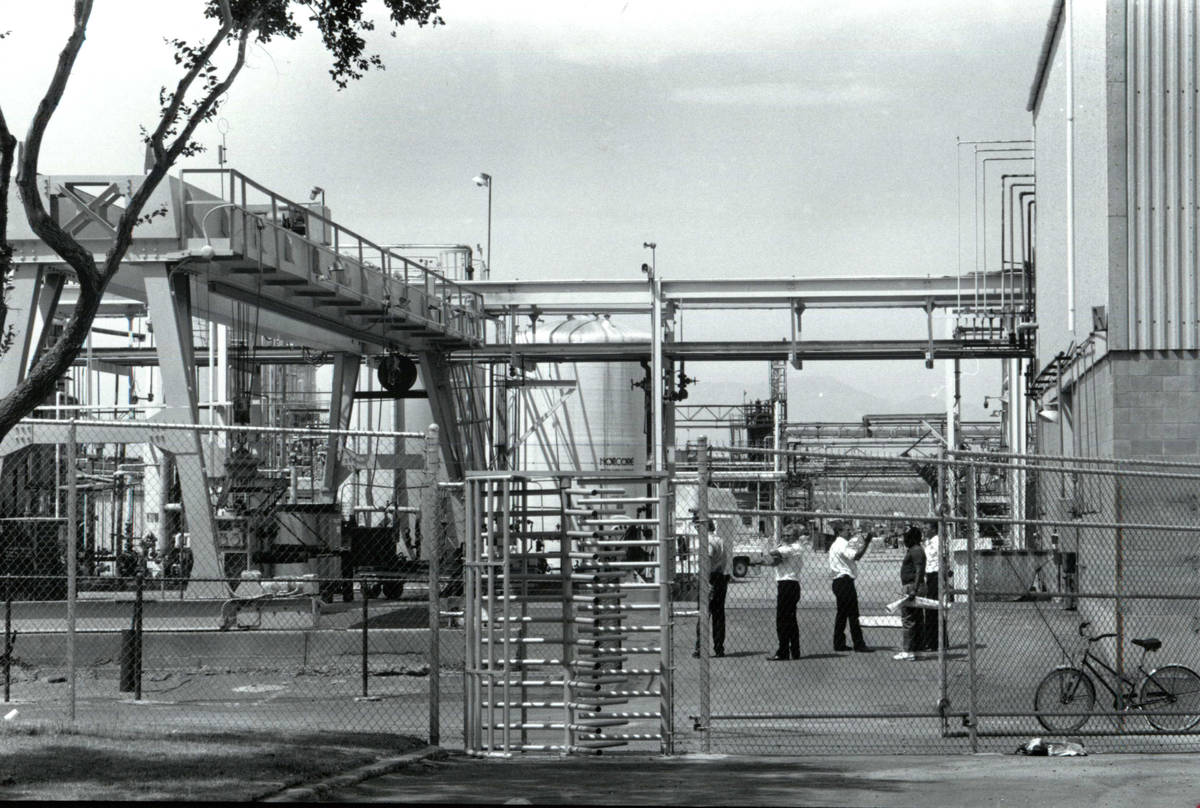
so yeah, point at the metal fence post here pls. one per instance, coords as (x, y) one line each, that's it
(972, 683)
(72, 575)
(137, 634)
(703, 630)
(431, 549)
(8, 639)
(366, 647)
(945, 555)
(568, 625)
(666, 618)
(1119, 574)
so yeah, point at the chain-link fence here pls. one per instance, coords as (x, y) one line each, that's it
(1022, 561)
(1087, 613)
(229, 577)
(235, 577)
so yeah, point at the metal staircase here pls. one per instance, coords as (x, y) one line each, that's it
(456, 396)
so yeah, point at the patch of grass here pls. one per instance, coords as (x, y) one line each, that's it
(50, 761)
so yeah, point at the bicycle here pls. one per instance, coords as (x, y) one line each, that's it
(1170, 694)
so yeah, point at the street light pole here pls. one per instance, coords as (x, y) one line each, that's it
(481, 179)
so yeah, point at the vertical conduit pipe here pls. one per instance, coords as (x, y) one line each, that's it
(1069, 11)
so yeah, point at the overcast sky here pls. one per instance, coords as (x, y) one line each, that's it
(746, 139)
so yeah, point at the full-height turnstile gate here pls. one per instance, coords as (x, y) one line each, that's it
(568, 613)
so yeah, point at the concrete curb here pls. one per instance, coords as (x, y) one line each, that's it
(315, 792)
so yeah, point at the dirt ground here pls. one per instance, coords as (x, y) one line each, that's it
(45, 763)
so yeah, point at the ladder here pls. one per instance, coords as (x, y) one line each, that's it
(568, 615)
(468, 385)
(457, 397)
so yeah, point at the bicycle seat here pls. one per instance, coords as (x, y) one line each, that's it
(1149, 643)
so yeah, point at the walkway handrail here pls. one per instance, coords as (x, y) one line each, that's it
(434, 281)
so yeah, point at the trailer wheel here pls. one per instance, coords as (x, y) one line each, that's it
(393, 590)
(741, 566)
(370, 591)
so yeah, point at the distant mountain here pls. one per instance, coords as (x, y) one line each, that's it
(813, 397)
(821, 398)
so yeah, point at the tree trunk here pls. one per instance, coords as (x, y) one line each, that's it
(8, 148)
(37, 386)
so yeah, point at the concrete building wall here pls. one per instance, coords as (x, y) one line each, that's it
(1156, 405)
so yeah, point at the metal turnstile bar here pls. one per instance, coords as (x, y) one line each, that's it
(629, 715)
(619, 501)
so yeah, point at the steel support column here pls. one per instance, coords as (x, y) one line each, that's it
(168, 302)
(31, 304)
(435, 372)
(341, 405)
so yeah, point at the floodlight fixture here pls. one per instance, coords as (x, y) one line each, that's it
(1049, 413)
(484, 180)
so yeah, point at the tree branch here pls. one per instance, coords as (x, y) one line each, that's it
(79, 259)
(37, 385)
(165, 159)
(185, 83)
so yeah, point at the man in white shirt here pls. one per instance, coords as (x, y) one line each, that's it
(933, 561)
(844, 554)
(718, 585)
(788, 561)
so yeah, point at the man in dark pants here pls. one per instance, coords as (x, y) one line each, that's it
(718, 585)
(912, 579)
(843, 567)
(787, 561)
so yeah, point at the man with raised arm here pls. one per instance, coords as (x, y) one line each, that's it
(844, 555)
(787, 559)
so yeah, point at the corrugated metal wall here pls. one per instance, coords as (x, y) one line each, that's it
(1162, 135)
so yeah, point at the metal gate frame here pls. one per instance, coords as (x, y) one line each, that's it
(595, 587)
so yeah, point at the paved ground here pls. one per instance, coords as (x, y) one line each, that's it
(1101, 781)
(295, 679)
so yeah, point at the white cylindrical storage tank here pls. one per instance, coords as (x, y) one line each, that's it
(597, 419)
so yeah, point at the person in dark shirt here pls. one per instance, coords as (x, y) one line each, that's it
(912, 578)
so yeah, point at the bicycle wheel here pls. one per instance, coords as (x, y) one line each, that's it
(1064, 691)
(1173, 691)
